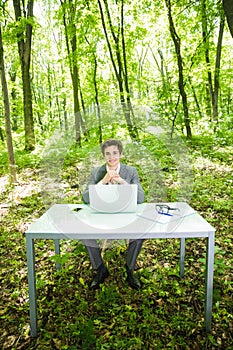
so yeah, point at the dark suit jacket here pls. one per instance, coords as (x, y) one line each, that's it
(127, 172)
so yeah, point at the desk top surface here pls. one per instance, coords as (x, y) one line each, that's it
(61, 221)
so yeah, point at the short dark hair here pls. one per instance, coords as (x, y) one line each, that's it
(112, 142)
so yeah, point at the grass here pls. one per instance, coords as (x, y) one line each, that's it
(167, 313)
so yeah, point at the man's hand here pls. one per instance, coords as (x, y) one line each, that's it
(108, 176)
(117, 179)
(113, 177)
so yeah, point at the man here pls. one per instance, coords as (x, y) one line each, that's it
(111, 173)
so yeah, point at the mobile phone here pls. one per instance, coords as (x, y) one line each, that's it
(77, 209)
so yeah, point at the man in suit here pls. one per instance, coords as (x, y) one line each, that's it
(111, 173)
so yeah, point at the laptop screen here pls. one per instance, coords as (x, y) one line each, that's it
(113, 198)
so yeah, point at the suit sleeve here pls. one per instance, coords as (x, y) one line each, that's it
(96, 175)
(130, 175)
(91, 181)
(135, 180)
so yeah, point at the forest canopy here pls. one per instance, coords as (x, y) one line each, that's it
(69, 63)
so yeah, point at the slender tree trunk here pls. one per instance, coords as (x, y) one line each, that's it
(163, 69)
(96, 92)
(13, 75)
(75, 77)
(24, 48)
(209, 85)
(71, 44)
(83, 114)
(97, 101)
(50, 94)
(217, 70)
(64, 104)
(213, 88)
(1, 134)
(11, 157)
(195, 98)
(37, 100)
(181, 84)
(140, 90)
(119, 66)
(129, 109)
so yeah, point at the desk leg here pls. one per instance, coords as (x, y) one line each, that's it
(182, 256)
(209, 281)
(31, 284)
(57, 251)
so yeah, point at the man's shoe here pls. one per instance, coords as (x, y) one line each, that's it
(132, 280)
(99, 278)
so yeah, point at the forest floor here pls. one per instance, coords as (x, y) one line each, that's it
(167, 313)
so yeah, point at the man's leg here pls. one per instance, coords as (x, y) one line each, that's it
(134, 248)
(132, 254)
(94, 252)
(97, 262)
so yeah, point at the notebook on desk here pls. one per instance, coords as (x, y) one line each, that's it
(178, 211)
(113, 198)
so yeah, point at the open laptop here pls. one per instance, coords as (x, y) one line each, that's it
(113, 198)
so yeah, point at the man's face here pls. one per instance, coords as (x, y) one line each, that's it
(112, 156)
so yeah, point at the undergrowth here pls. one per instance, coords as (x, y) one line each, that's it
(168, 312)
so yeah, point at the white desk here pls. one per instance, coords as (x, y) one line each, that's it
(61, 222)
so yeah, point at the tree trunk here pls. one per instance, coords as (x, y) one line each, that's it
(11, 157)
(217, 70)
(83, 114)
(209, 85)
(77, 111)
(176, 41)
(71, 44)
(24, 48)
(1, 134)
(213, 89)
(228, 9)
(129, 109)
(119, 66)
(97, 101)
(13, 75)
(195, 98)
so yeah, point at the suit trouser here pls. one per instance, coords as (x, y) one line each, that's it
(133, 250)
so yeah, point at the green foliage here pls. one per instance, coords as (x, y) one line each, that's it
(152, 71)
(3, 162)
(23, 159)
(17, 30)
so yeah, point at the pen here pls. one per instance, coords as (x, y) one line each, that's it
(165, 214)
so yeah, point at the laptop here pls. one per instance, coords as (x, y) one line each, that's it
(113, 198)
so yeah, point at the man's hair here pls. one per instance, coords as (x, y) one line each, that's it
(111, 142)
